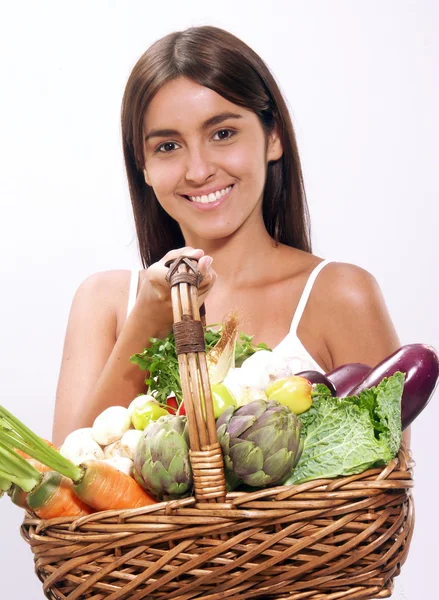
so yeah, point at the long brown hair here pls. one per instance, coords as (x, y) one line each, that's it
(220, 61)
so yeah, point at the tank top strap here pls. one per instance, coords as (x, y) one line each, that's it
(305, 295)
(132, 294)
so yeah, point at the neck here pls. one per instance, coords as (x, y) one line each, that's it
(240, 257)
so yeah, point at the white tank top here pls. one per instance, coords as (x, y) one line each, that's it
(298, 356)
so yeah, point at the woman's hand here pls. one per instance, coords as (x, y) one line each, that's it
(155, 293)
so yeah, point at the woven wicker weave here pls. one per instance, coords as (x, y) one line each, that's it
(343, 538)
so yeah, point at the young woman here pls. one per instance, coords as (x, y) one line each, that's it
(214, 173)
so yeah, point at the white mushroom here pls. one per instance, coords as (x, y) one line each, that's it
(258, 370)
(110, 425)
(130, 441)
(126, 465)
(115, 450)
(242, 393)
(80, 446)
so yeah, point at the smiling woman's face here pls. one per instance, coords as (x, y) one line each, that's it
(206, 159)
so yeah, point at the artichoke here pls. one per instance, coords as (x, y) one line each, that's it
(260, 441)
(161, 459)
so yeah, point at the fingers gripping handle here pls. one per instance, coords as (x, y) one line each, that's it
(192, 277)
(184, 279)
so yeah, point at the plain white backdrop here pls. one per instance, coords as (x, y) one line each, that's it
(361, 80)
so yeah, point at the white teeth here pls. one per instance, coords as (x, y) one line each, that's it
(211, 197)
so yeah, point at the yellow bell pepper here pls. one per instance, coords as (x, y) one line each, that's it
(294, 392)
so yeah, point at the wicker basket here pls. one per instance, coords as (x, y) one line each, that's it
(329, 539)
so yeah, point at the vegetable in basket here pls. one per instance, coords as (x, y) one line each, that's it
(161, 459)
(80, 446)
(143, 414)
(17, 494)
(260, 443)
(171, 405)
(420, 363)
(129, 441)
(110, 425)
(315, 377)
(48, 494)
(294, 392)
(96, 483)
(344, 436)
(243, 394)
(161, 362)
(345, 377)
(221, 358)
(221, 399)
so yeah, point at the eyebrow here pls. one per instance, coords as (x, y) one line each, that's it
(215, 120)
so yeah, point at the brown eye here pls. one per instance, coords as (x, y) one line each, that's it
(166, 147)
(224, 134)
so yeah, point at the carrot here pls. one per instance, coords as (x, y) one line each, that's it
(16, 494)
(54, 497)
(48, 494)
(96, 483)
(104, 487)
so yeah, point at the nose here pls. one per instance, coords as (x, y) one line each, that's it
(199, 166)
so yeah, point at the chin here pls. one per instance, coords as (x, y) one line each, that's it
(213, 232)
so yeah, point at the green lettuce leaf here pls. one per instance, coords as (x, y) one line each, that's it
(344, 436)
(319, 390)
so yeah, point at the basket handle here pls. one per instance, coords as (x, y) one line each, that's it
(205, 453)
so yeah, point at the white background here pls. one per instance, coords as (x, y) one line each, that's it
(361, 80)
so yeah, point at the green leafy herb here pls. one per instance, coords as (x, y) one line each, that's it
(343, 436)
(161, 362)
(245, 348)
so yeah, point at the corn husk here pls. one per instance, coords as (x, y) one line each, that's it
(221, 358)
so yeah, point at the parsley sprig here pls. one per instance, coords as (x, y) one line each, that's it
(161, 362)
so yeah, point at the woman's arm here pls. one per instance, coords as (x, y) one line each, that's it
(358, 327)
(96, 371)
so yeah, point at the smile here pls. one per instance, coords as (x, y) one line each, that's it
(213, 197)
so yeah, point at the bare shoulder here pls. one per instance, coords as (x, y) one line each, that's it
(354, 319)
(106, 281)
(346, 284)
(104, 291)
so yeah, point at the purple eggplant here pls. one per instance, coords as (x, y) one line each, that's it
(347, 376)
(317, 377)
(420, 363)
